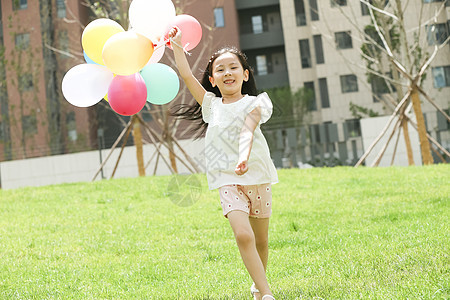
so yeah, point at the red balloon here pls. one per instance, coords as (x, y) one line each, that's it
(191, 30)
(127, 94)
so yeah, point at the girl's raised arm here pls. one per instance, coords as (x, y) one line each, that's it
(194, 86)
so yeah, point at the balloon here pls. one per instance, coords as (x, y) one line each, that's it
(87, 59)
(127, 94)
(190, 28)
(86, 84)
(162, 83)
(150, 17)
(126, 53)
(95, 36)
(158, 52)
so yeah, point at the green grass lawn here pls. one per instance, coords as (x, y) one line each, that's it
(336, 233)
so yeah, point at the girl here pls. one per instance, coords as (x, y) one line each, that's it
(238, 161)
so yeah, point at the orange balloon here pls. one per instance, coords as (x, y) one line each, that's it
(126, 53)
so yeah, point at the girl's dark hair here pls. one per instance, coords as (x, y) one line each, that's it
(193, 112)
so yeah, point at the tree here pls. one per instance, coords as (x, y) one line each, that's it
(290, 109)
(397, 57)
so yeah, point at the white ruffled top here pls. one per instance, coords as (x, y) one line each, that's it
(225, 122)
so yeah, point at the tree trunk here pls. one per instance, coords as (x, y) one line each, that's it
(424, 143)
(407, 142)
(167, 135)
(396, 77)
(137, 134)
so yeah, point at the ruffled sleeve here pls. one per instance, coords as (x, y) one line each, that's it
(264, 102)
(206, 106)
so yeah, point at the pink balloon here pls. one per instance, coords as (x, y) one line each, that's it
(190, 28)
(127, 94)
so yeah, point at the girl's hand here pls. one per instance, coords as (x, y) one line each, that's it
(175, 36)
(241, 167)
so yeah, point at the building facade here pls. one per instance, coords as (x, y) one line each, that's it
(323, 42)
(319, 44)
(40, 42)
(297, 43)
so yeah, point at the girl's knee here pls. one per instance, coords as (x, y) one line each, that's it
(244, 237)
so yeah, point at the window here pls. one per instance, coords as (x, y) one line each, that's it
(300, 12)
(437, 33)
(261, 65)
(22, 40)
(441, 76)
(305, 54)
(318, 48)
(442, 123)
(365, 8)
(335, 3)
(1, 132)
(25, 82)
(63, 41)
(313, 10)
(219, 18)
(146, 112)
(61, 8)
(323, 87)
(353, 128)
(349, 84)
(29, 125)
(311, 94)
(20, 4)
(381, 86)
(71, 126)
(257, 24)
(343, 40)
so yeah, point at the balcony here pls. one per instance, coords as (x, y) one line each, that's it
(245, 4)
(269, 81)
(251, 41)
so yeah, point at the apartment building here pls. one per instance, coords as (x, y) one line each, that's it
(34, 118)
(261, 38)
(323, 52)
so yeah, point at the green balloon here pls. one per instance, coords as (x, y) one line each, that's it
(162, 83)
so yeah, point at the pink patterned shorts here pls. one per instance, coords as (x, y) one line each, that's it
(256, 200)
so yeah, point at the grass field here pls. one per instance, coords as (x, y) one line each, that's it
(337, 233)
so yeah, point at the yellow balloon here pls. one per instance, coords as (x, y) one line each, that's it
(95, 36)
(126, 53)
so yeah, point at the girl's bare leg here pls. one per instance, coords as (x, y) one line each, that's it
(261, 230)
(245, 239)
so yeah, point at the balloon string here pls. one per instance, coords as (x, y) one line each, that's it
(178, 45)
(159, 46)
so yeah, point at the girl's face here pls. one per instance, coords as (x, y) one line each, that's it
(228, 75)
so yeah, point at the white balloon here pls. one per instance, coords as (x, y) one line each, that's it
(151, 17)
(86, 84)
